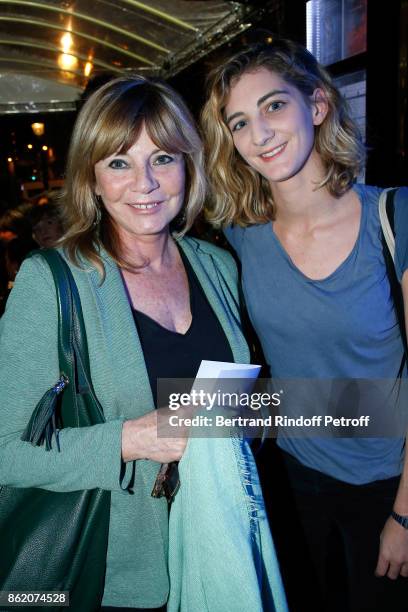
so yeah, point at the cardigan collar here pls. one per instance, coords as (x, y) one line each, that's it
(116, 326)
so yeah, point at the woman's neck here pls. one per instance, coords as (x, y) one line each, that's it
(152, 251)
(298, 201)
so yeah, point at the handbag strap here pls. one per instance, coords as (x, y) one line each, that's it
(72, 340)
(386, 211)
(73, 356)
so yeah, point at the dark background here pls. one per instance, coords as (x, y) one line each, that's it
(385, 62)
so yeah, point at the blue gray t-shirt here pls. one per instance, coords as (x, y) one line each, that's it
(341, 327)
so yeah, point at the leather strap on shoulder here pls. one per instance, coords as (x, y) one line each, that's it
(386, 212)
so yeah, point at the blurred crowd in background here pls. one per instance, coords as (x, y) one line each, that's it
(32, 225)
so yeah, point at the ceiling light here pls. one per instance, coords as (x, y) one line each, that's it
(66, 42)
(88, 68)
(38, 128)
(67, 62)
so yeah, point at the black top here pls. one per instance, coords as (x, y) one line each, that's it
(169, 354)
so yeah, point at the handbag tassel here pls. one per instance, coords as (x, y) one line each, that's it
(42, 425)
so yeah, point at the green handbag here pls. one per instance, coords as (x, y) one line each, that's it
(58, 541)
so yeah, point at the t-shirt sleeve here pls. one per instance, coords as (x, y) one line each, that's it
(235, 236)
(401, 231)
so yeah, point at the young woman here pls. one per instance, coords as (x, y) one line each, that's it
(283, 157)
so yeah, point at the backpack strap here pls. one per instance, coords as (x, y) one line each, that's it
(386, 212)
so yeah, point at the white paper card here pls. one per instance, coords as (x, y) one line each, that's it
(224, 377)
(225, 369)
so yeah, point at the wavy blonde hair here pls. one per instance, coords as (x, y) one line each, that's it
(109, 122)
(239, 193)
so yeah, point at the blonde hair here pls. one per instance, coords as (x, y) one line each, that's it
(239, 193)
(109, 122)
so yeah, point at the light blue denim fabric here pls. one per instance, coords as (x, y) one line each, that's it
(221, 554)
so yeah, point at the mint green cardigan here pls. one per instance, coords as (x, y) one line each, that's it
(137, 572)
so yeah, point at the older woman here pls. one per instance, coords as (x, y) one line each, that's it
(154, 303)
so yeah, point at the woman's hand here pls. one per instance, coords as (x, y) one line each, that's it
(393, 555)
(140, 438)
